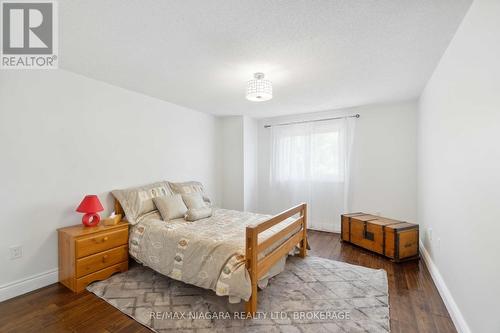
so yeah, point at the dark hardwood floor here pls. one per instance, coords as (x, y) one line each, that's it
(415, 305)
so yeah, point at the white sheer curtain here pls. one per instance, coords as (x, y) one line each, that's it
(310, 162)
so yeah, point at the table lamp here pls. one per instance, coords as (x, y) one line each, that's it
(90, 205)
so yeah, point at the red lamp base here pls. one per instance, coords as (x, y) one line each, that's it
(91, 219)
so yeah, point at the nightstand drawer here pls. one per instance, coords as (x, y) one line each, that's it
(100, 242)
(82, 282)
(101, 260)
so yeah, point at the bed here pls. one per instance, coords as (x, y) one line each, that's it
(230, 252)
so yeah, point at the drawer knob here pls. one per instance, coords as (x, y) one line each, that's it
(96, 240)
(104, 258)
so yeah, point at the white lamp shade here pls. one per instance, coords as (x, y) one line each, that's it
(258, 89)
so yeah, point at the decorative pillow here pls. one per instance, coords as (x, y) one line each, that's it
(189, 187)
(138, 201)
(198, 213)
(171, 207)
(194, 200)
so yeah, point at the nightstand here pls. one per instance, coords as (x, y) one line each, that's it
(88, 254)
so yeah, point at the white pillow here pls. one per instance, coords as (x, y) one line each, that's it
(138, 201)
(190, 187)
(170, 207)
(194, 200)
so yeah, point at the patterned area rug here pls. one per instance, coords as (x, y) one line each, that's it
(312, 295)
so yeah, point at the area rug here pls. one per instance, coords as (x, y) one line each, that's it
(312, 295)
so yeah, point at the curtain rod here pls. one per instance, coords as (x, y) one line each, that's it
(313, 121)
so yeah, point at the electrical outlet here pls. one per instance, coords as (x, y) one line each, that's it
(16, 252)
(429, 234)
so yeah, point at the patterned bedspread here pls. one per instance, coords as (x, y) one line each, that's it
(208, 253)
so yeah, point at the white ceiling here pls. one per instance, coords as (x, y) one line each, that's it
(319, 55)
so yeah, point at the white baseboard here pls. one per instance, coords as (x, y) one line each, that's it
(449, 302)
(28, 284)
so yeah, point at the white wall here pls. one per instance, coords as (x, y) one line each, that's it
(384, 160)
(62, 136)
(237, 158)
(459, 170)
(250, 158)
(231, 157)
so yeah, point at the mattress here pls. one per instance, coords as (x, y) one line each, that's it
(208, 253)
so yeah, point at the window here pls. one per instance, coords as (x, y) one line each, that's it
(306, 152)
(310, 163)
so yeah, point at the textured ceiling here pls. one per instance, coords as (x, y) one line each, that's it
(319, 54)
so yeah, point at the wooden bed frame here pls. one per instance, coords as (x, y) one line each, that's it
(257, 268)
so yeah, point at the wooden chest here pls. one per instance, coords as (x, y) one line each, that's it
(88, 254)
(394, 239)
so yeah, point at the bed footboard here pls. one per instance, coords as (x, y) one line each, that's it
(258, 268)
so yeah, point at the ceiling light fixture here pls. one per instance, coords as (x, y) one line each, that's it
(258, 89)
